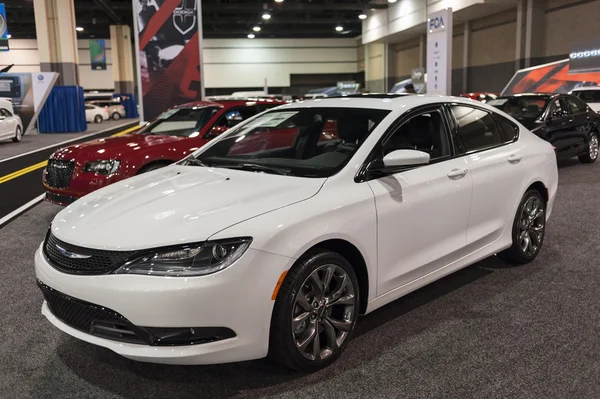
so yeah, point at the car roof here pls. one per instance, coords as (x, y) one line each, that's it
(586, 88)
(541, 95)
(385, 102)
(230, 103)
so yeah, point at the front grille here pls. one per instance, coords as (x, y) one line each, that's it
(90, 318)
(77, 260)
(59, 173)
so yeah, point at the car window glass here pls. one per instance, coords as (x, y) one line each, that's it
(424, 132)
(89, 107)
(556, 109)
(5, 112)
(510, 131)
(183, 121)
(575, 106)
(477, 129)
(589, 96)
(234, 116)
(522, 108)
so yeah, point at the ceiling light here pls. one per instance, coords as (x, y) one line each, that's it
(339, 28)
(362, 16)
(278, 1)
(266, 16)
(8, 36)
(256, 29)
(391, 1)
(251, 35)
(79, 29)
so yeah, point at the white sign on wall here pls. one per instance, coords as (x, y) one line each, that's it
(439, 52)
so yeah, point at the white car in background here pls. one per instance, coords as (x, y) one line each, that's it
(11, 126)
(271, 239)
(96, 114)
(115, 110)
(590, 94)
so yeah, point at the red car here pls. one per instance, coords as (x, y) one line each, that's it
(480, 96)
(75, 171)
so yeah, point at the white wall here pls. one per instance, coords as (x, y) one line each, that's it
(24, 54)
(227, 62)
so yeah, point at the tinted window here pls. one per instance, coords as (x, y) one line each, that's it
(89, 107)
(575, 106)
(522, 108)
(510, 131)
(557, 110)
(589, 96)
(477, 129)
(235, 115)
(307, 142)
(185, 121)
(424, 132)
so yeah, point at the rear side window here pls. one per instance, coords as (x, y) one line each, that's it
(589, 96)
(575, 105)
(510, 131)
(477, 129)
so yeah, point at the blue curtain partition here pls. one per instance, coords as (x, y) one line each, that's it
(129, 101)
(64, 111)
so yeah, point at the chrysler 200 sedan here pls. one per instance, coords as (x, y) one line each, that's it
(242, 251)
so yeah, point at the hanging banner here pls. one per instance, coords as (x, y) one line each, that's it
(98, 55)
(28, 93)
(168, 36)
(439, 52)
(3, 29)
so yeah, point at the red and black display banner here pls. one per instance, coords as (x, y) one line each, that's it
(169, 36)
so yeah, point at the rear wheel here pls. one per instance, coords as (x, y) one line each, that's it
(315, 312)
(593, 146)
(116, 116)
(529, 228)
(18, 135)
(98, 119)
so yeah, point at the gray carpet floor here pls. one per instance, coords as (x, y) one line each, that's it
(488, 331)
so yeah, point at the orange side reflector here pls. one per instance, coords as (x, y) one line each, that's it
(278, 285)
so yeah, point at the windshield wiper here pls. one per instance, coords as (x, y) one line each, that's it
(259, 168)
(194, 161)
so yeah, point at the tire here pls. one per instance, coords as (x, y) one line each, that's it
(592, 153)
(526, 226)
(152, 166)
(98, 119)
(18, 135)
(298, 303)
(116, 116)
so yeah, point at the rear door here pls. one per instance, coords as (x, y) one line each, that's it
(496, 161)
(581, 123)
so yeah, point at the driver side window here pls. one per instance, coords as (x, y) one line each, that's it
(557, 110)
(423, 132)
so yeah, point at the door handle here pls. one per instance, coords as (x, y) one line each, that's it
(515, 158)
(456, 174)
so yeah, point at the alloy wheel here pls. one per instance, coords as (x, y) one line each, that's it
(18, 134)
(323, 312)
(531, 226)
(593, 147)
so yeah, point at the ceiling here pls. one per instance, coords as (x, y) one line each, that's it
(221, 18)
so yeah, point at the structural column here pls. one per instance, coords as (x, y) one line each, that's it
(465, 60)
(122, 58)
(530, 32)
(57, 39)
(380, 67)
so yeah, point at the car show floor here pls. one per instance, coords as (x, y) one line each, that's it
(22, 164)
(489, 331)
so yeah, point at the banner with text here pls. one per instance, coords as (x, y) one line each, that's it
(169, 39)
(439, 52)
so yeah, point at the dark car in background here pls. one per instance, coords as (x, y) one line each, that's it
(561, 119)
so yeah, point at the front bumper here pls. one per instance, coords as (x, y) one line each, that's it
(238, 298)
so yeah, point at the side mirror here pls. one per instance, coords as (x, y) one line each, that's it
(216, 131)
(405, 158)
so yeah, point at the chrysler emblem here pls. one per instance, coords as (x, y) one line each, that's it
(70, 254)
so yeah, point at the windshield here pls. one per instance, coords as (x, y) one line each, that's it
(184, 122)
(306, 142)
(521, 108)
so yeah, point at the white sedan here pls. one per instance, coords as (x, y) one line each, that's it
(273, 238)
(96, 114)
(11, 126)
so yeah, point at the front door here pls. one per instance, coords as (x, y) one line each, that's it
(422, 212)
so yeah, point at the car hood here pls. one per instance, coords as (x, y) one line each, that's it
(113, 147)
(177, 204)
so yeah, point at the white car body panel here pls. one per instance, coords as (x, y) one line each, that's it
(91, 113)
(411, 228)
(9, 124)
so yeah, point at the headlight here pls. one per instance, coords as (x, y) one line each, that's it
(188, 260)
(106, 167)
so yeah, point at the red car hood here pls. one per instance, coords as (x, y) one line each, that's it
(113, 147)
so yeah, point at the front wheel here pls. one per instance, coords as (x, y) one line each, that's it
(98, 119)
(18, 135)
(315, 312)
(529, 228)
(116, 116)
(592, 153)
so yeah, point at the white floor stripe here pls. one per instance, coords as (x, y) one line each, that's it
(21, 209)
(67, 141)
